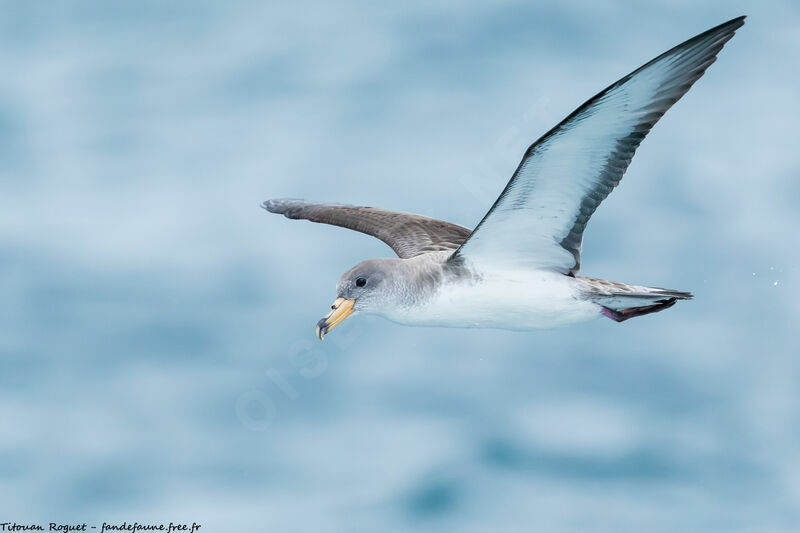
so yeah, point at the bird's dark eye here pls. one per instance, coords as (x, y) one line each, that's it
(360, 282)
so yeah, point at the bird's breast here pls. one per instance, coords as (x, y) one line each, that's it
(507, 300)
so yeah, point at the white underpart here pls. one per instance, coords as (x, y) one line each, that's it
(539, 219)
(517, 300)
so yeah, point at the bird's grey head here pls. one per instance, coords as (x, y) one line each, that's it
(367, 283)
(367, 287)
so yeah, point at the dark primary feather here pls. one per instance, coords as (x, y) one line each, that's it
(539, 218)
(408, 235)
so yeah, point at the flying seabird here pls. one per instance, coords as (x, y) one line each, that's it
(518, 269)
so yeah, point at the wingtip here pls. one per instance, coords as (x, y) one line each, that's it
(728, 26)
(279, 205)
(737, 21)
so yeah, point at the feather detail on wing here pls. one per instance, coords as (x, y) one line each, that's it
(408, 235)
(538, 220)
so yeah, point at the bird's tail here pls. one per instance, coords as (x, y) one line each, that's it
(621, 301)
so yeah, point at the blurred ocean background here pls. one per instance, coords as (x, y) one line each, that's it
(157, 351)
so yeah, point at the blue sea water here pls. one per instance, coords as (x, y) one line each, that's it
(157, 353)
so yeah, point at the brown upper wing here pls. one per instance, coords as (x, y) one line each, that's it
(408, 235)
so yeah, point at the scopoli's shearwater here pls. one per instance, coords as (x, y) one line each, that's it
(518, 268)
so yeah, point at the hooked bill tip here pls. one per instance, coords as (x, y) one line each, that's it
(321, 329)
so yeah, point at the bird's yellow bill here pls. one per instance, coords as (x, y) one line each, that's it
(340, 310)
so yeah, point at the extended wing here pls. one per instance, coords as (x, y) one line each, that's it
(408, 235)
(539, 218)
